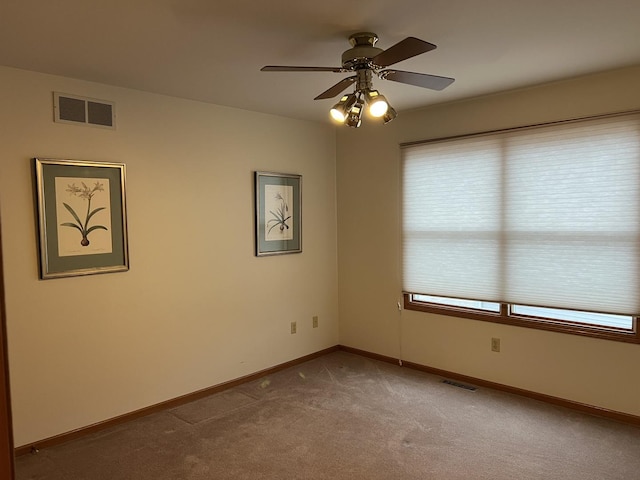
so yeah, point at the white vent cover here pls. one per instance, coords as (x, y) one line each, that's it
(82, 110)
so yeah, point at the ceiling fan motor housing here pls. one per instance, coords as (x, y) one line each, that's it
(362, 52)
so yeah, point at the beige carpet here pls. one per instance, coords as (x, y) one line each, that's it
(343, 416)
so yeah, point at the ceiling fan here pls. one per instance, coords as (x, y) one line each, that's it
(367, 60)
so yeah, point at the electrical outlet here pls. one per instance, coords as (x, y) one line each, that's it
(495, 344)
(294, 327)
(315, 321)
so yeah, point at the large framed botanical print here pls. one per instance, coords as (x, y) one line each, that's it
(82, 220)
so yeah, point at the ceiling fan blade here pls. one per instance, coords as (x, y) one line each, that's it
(407, 48)
(284, 68)
(424, 80)
(337, 89)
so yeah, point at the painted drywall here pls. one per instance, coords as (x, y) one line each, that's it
(196, 308)
(591, 371)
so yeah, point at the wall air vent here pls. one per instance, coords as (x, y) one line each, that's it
(82, 110)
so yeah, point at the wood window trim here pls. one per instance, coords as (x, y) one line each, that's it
(528, 322)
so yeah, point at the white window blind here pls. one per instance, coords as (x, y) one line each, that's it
(545, 216)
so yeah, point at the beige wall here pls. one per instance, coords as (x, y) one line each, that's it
(197, 308)
(591, 371)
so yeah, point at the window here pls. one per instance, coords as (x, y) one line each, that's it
(535, 226)
(459, 302)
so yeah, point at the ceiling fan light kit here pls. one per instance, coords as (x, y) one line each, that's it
(366, 60)
(378, 105)
(341, 109)
(354, 117)
(389, 115)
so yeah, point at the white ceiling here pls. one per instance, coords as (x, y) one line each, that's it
(212, 50)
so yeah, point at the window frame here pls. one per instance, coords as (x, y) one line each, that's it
(506, 317)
